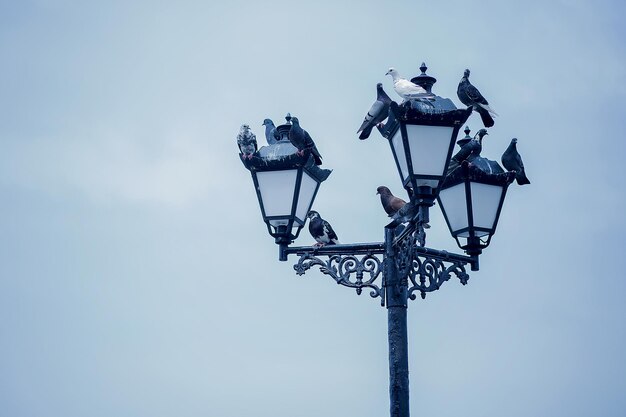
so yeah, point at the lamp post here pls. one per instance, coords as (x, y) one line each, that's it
(421, 133)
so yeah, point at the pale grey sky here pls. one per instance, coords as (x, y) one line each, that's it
(137, 277)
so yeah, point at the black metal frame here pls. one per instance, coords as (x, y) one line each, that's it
(301, 164)
(399, 118)
(467, 174)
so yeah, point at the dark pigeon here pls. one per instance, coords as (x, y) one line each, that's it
(321, 230)
(301, 139)
(271, 133)
(246, 140)
(376, 114)
(390, 202)
(512, 161)
(469, 151)
(471, 97)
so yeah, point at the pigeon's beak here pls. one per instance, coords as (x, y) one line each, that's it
(387, 73)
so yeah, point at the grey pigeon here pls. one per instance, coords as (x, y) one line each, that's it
(301, 139)
(271, 133)
(376, 114)
(321, 230)
(246, 141)
(390, 202)
(471, 97)
(469, 151)
(512, 161)
(405, 88)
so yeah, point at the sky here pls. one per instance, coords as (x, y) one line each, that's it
(137, 277)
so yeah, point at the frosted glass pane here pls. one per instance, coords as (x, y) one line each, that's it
(429, 149)
(277, 188)
(398, 146)
(281, 222)
(307, 189)
(485, 201)
(454, 204)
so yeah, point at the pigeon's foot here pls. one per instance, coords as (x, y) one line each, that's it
(318, 245)
(300, 153)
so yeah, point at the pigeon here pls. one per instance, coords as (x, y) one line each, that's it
(469, 151)
(321, 230)
(471, 97)
(246, 141)
(512, 161)
(301, 139)
(390, 202)
(405, 88)
(376, 114)
(271, 133)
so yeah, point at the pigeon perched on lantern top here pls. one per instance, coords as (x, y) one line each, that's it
(390, 202)
(405, 88)
(271, 133)
(376, 114)
(471, 97)
(301, 139)
(512, 161)
(321, 230)
(246, 140)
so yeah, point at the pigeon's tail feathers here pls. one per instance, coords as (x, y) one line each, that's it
(316, 156)
(521, 178)
(485, 116)
(489, 109)
(365, 133)
(366, 122)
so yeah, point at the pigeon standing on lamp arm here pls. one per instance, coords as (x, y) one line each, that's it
(321, 230)
(390, 202)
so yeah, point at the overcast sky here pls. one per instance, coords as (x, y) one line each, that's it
(138, 279)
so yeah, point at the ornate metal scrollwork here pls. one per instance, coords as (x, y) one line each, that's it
(423, 272)
(428, 274)
(352, 271)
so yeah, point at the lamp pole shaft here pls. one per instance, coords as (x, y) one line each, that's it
(396, 301)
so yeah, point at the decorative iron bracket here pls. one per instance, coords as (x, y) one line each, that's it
(357, 266)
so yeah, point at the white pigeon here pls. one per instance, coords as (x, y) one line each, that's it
(405, 88)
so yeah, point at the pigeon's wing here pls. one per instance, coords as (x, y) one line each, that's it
(296, 137)
(377, 113)
(373, 113)
(309, 144)
(329, 231)
(474, 95)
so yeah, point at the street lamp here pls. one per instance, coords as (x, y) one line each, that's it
(421, 133)
(286, 185)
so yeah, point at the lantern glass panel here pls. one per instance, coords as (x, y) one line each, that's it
(429, 150)
(454, 202)
(398, 147)
(305, 199)
(485, 202)
(277, 189)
